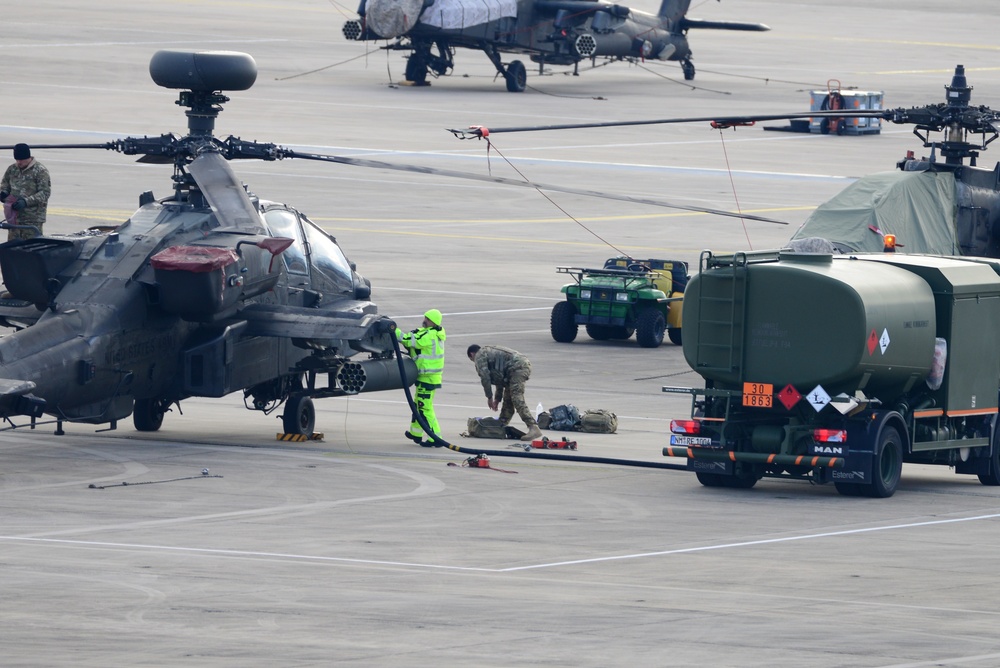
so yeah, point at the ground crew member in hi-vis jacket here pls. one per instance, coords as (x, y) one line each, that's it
(426, 346)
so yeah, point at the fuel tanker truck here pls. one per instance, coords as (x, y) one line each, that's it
(839, 368)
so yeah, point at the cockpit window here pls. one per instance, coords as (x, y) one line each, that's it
(283, 223)
(328, 259)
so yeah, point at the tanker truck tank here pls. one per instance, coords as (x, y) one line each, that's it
(840, 368)
(807, 320)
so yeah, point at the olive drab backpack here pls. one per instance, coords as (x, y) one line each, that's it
(490, 427)
(599, 421)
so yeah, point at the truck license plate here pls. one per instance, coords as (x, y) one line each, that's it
(676, 439)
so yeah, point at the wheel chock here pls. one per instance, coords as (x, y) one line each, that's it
(298, 438)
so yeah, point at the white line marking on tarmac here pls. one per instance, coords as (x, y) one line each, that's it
(512, 569)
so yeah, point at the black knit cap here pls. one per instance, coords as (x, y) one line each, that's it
(22, 152)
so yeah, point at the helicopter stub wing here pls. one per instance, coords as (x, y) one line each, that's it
(319, 327)
(18, 313)
(223, 191)
(16, 398)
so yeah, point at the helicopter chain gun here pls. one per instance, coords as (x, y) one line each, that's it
(209, 291)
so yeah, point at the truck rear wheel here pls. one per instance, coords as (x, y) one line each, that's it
(887, 468)
(649, 327)
(992, 478)
(563, 322)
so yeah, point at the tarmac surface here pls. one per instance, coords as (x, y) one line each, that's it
(365, 550)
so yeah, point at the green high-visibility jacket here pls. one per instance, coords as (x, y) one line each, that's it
(426, 347)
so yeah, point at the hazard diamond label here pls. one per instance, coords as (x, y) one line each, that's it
(789, 397)
(883, 341)
(818, 398)
(872, 342)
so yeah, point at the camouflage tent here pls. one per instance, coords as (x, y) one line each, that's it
(918, 207)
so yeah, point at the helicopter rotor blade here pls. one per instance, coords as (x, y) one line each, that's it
(223, 190)
(478, 131)
(378, 164)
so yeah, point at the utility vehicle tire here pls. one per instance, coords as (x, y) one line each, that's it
(299, 416)
(649, 327)
(147, 414)
(516, 76)
(992, 478)
(674, 334)
(563, 322)
(600, 332)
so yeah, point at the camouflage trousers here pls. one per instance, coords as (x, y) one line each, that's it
(513, 394)
(21, 234)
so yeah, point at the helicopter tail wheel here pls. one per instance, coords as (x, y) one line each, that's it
(688, 68)
(516, 76)
(299, 416)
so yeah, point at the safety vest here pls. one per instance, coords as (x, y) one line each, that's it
(426, 347)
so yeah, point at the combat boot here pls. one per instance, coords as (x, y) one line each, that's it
(533, 433)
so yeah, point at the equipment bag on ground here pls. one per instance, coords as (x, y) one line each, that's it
(564, 418)
(490, 427)
(599, 421)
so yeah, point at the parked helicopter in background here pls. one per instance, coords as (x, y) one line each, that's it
(942, 204)
(553, 32)
(209, 291)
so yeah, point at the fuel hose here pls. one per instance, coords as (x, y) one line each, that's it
(438, 442)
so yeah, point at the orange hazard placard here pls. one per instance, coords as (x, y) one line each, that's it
(758, 395)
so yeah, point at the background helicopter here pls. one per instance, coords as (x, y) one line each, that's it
(206, 292)
(935, 204)
(555, 32)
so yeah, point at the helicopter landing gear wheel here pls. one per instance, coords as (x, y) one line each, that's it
(147, 414)
(516, 76)
(688, 68)
(299, 416)
(674, 334)
(416, 69)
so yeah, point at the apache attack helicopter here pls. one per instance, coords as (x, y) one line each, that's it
(554, 32)
(209, 291)
(937, 204)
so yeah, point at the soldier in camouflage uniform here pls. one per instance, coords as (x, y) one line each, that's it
(25, 191)
(509, 371)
